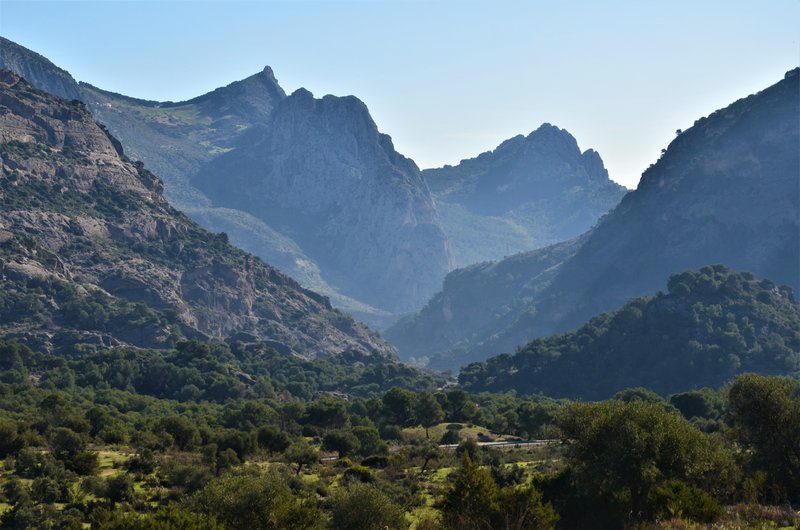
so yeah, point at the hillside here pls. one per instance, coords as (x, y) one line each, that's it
(724, 191)
(179, 139)
(92, 254)
(530, 192)
(710, 326)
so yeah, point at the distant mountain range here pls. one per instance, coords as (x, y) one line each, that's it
(725, 191)
(311, 186)
(530, 192)
(710, 326)
(92, 254)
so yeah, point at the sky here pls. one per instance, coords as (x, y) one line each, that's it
(446, 79)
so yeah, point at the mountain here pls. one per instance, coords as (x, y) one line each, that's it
(530, 192)
(38, 70)
(710, 326)
(724, 191)
(92, 254)
(321, 172)
(181, 140)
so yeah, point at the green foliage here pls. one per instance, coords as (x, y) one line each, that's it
(621, 451)
(710, 326)
(471, 501)
(364, 507)
(765, 413)
(245, 501)
(429, 412)
(302, 454)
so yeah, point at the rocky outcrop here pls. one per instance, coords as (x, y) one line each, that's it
(725, 191)
(321, 172)
(530, 192)
(90, 245)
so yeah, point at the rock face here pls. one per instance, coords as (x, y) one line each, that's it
(528, 193)
(39, 71)
(182, 140)
(92, 254)
(321, 172)
(725, 191)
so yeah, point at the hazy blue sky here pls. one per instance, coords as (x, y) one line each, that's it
(448, 79)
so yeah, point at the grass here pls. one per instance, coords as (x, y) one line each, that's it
(436, 432)
(110, 461)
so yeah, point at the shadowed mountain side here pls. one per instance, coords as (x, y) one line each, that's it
(725, 191)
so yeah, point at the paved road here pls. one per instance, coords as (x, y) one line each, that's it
(522, 443)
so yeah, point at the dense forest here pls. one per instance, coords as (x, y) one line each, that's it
(215, 436)
(711, 325)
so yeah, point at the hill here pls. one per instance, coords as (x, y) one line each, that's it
(710, 326)
(92, 254)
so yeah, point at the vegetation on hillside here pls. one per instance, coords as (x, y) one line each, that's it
(711, 325)
(190, 439)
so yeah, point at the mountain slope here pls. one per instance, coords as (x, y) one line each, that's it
(178, 140)
(322, 173)
(725, 191)
(710, 326)
(92, 253)
(528, 193)
(38, 70)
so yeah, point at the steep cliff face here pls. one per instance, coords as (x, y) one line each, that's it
(38, 70)
(92, 253)
(726, 191)
(530, 192)
(322, 173)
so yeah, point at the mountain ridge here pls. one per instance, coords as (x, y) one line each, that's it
(93, 254)
(725, 191)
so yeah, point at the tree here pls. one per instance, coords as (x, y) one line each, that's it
(399, 406)
(10, 440)
(429, 411)
(621, 451)
(365, 507)
(471, 502)
(522, 509)
(119, 488)
(459, 406)
(327, 412)
(765, 413)
(302, 454)
(245, 501)
(70, 447)
(369, 440)
(272, 439)
(343, 442)
(183, 432)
